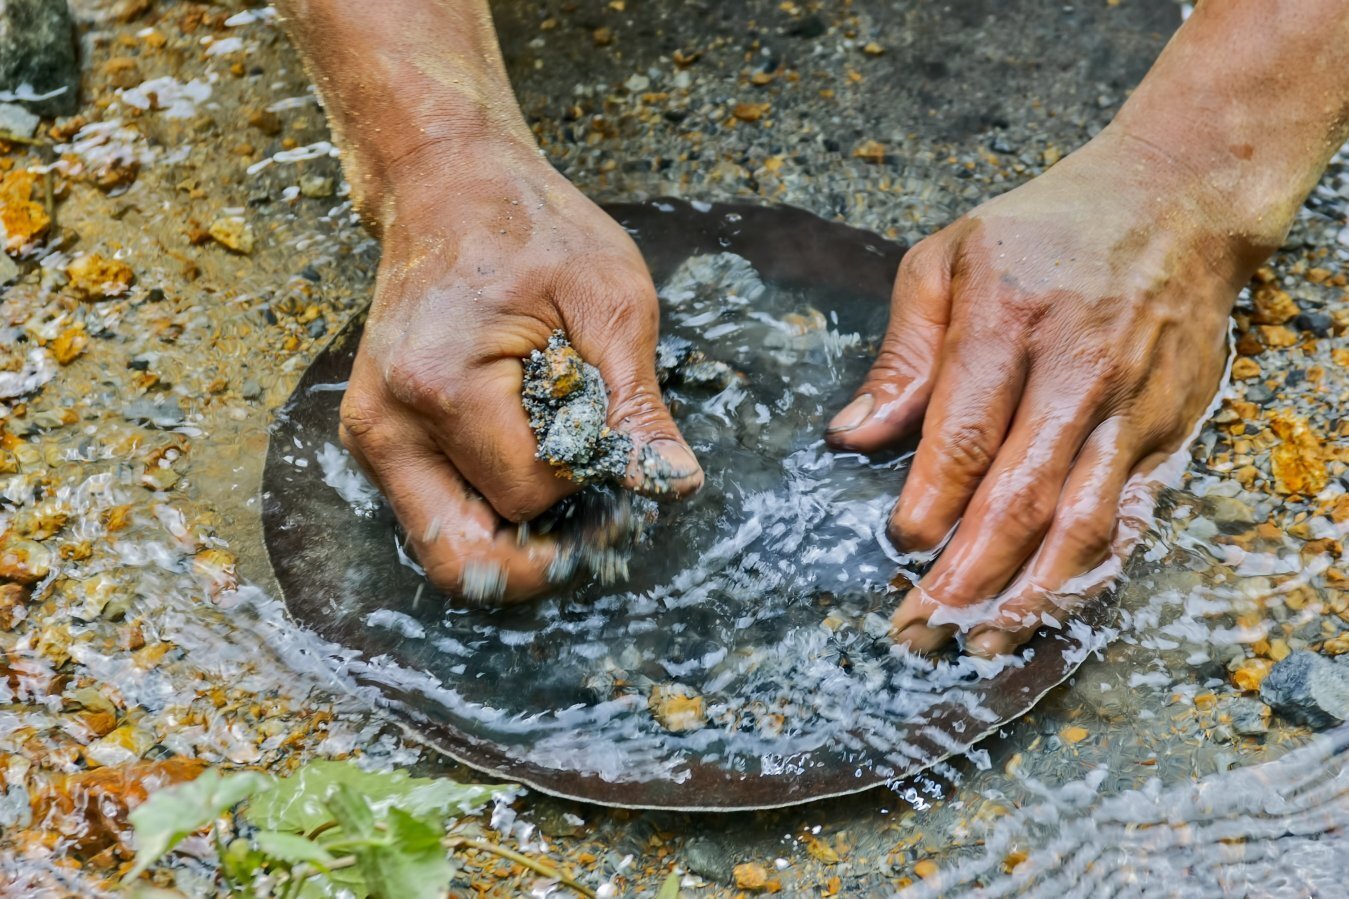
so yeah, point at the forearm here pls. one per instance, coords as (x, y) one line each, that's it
(405, 84)
(1252, 97)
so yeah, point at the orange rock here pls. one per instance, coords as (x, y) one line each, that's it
(1248, 675)
(13, 605)
(23, 220)
(677, 708)
(750, 112)
(1073, 734)
(1298, 462)
(1273, 306)
(871, 151)
(750, 876)
(70, 344)
(90, 808)
(1278, 336)
(1245, 368)
(95, 277)
(926, 869)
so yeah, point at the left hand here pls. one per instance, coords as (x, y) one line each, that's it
(1063, 339)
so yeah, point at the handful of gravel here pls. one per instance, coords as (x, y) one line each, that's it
(568, 408)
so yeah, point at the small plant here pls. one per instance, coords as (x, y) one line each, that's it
(329, 828)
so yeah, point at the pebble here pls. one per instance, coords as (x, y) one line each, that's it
(162, 414)
(1248, 717)
(316, 186)
(233, 233)
(1309, 689)
(16, 120)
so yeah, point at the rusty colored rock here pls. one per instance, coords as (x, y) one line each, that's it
(750, 112)
(22, 219)
(90, 808)
(1298, 462)
(677, 708)
(23, 561)
(95, 277)
(1273, 306)
(872, 151)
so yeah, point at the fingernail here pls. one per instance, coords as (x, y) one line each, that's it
(989, 644)
(921, 638)
(668, 467)
(852, 415)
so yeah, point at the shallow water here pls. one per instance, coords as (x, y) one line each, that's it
(739, 656)
(199, 667)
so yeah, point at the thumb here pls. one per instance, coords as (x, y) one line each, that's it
(892, 399)
(621, 343)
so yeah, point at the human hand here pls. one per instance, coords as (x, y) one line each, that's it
(485, 256)
(1063, 339)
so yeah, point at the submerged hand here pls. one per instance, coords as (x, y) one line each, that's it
(483, 259)
(1062, 338)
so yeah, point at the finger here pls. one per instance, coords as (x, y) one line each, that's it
(1068, 566)
(454, 534)
(473, 411)
(977, 391)
(1014, 507)
(614, 324)
(891, 400)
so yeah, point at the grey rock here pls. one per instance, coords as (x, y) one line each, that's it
(37, 50)
(251, 390)
(9, 269)
(1248, 717)
(16, 120)
(1309, 689)
(712, 858)
(162, 414)
(1319, 323)
(1229, 514)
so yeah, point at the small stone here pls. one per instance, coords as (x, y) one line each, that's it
(22, 219)
(711, 857)
(871, 48)
(13, 605)
(636, 84)
(233, 233)
(750, 876)
(166, 413)
(602, 36)
(1272, 306)
(316, 187)
(250, 390)
(1073, 735)
(926, 869)
(70, 344)
(750, 112)
(1309, 689)
(1249, 673)
(1245, 368)
(94, 277)
(871, 151)
(9, 269)
(1248, 717)
(808, 27)
(24, 561)
(677, 708)
(1318, 323)
(17, 121)
(1298, 462)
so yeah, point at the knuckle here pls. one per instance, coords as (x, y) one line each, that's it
(420, 384)
(361, 415)
(968, 449)
(1029, 508)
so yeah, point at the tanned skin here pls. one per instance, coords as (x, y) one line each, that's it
(1054, 344)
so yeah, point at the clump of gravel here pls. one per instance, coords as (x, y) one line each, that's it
(568, 407)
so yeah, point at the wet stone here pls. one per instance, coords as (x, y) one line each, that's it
(1309, 689)
(1247, 717)
(37, 55)
(164, 414)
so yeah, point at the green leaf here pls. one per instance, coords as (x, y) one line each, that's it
(293, 849)
(404, 860)
(670, 888)
(298, 803)
(240, 862)
(171, 814)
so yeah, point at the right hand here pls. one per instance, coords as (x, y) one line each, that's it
(485, 255)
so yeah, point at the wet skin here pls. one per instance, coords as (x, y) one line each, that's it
(1054, 344)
